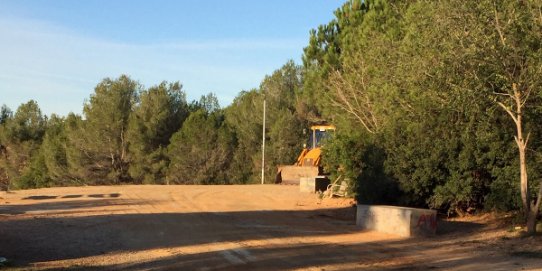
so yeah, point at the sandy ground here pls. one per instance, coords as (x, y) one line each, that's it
(251, 227)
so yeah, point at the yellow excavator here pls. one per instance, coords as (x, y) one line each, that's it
(308, 162)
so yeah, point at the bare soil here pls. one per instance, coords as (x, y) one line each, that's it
(250, 227)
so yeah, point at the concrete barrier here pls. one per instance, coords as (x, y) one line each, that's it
(313, 184)
(402, 221)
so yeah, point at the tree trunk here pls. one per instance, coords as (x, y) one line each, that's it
(533, 214)
(529, 211)
(525, 197)
(522, 146)
(531, 221)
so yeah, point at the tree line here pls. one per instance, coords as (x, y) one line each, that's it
(436, 103)
(131, 134)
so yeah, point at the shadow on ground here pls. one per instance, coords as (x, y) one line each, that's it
(44, 197)
(64, 206)
(27, 240)
(30, 239)
(388, 255)
(40, 197)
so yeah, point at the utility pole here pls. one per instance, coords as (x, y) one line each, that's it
(263, 142)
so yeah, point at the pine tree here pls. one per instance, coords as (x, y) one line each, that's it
(160, 113)
(102, 136)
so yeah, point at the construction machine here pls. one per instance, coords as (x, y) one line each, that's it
(308, 161)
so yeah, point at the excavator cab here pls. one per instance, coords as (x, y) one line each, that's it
(318, 135)
(308, 161)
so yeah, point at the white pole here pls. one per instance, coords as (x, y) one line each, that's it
(263, 141)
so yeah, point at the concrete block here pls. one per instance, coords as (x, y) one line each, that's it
(402, 221)
(306, 185)
(313, 184)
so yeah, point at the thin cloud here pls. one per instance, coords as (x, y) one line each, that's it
(44, 61)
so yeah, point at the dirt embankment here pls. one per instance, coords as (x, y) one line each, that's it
(251, 227)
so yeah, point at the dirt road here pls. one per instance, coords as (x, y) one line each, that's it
(250, 227)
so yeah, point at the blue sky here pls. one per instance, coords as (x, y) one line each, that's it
(55, 52)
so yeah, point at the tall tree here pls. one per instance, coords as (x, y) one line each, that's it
(200, 152)
(102, 137)
(405, 76)
(284, 124)
(21, 137)
(325, 52)
(244, 117)
(507, 47)
(58, 154)
(159, 114)
(208, 103)
(5, 114)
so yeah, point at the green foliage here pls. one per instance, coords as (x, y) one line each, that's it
(284, 133)
(419, 79)
(5, 114)
(54, 148)
(201, 151)
(284, 125)
(244, 116)
(352, 157)
(102, 137)
(28, 124)
(207, 102)
(20, 138)
(159, 114)
(35, 175)
(62, 158)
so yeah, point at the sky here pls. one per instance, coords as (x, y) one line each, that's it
(55, 52)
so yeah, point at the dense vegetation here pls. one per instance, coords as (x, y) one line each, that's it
(437, 103)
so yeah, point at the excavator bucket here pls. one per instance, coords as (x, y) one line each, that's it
(292, 174)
